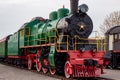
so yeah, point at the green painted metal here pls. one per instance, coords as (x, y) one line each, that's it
(51, 56)
(53, 15)
(31, 31)
(41, 35)
(21, 41)
(37, 32)
(13, 45)
(46, 31)
(3, 49)
(63, 12)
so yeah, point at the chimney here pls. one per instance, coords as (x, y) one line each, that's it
(74, 6)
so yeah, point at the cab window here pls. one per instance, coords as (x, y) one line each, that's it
(27, 31)
(115, 37)
(119, 36)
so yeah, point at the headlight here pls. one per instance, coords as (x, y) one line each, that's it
(83, 8)
(81, 26)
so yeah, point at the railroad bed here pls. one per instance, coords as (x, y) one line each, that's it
(10, 72)
(15, 73)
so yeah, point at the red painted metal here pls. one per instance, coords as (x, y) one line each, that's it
(68, 69)
(23, 57)
(38, 66)
(45, 70)
(41, 19)
(106, 62)
(45, 63)
(116, 51)
(63, 6)
(30, 58)
(52, 71)
(29, 63)
(74, 65)
(38, 63)
(79, 69)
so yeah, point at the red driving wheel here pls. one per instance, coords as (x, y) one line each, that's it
(45, 69)
(67, 69)
(29, 63)
(38, 65)
(52, 71)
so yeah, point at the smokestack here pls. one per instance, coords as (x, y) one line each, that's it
(74, 6)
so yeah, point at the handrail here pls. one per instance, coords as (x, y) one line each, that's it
(53, 37)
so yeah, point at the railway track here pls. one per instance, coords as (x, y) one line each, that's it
(58, 77)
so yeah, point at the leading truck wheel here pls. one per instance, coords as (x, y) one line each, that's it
(67, 69)
(29, 63)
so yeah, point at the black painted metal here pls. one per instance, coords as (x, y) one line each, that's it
(74, 6)
(112, 55)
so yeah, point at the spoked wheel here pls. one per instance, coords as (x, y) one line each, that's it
(45, 69)
(38, 66)
(29, 63)
(38, 63)
(67, 69)
(52, 71)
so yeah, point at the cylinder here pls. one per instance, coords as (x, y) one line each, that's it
(74, 6)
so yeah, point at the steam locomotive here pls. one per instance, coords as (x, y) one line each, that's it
(59, 44)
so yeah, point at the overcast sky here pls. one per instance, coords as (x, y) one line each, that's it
(14, 13)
